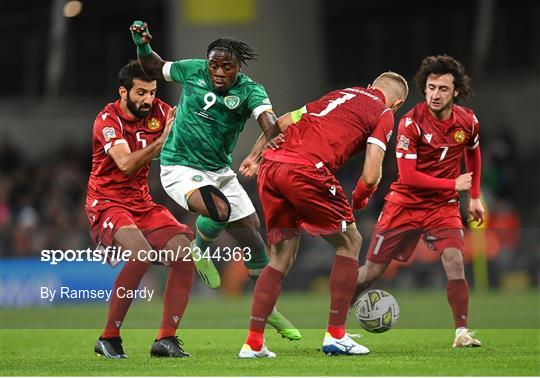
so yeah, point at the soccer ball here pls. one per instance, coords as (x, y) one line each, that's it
(377, 311)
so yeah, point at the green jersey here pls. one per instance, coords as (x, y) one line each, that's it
(208, 123)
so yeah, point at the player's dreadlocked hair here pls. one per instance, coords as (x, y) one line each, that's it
(440, 65)
(131, 71)
(239, 50)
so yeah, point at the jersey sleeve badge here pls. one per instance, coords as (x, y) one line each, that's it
(403, 143)
(109, 133)
(459, 136)
(153, 124)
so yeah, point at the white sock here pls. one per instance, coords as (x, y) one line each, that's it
(461, 331)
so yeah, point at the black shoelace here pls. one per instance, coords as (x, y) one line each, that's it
(176, 341)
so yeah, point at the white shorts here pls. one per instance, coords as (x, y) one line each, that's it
(179, 181)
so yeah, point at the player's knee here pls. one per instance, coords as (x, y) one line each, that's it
(453, 262)
(253, 222)
(223, 211)
(282, 261)
(217, 204)
(176, 250)
(452, 256)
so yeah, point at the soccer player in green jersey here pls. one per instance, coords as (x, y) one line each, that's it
(215, 103)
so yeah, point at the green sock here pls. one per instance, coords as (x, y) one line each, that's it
(256, 263)
(207, 231)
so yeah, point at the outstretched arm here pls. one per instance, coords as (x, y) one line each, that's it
(151, 63)
(408, 175)
(371, 175)
(250, 165)
(268, 122)
(375, 150)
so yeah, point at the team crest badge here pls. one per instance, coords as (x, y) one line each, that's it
(197, 178)
(459, 136)
(231, 101)
(153, 124)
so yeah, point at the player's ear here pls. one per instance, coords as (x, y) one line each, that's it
(396, 105)
(456, 93)
(122, 92)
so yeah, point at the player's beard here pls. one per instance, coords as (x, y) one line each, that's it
(138, 112)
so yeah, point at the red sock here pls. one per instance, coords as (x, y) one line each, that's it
(255, 340)
(175, 297)
(342, 285)
(457, 292)
(265, 296)
(129, 278)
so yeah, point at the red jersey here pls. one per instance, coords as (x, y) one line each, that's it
(438, 148)
(113, 127)
(337, 126)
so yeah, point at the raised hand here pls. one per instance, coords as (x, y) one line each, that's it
(168, 125)
(140, 33)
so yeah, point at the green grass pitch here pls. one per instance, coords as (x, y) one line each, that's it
(214, 330)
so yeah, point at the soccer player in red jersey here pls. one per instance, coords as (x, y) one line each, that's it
(423, 202)
(298, 189)
(127, 134)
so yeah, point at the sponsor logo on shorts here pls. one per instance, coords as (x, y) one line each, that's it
(231, 101)
(197, 178)
(154, 124)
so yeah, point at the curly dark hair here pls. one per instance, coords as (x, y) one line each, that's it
(239, 50)
(440, 65)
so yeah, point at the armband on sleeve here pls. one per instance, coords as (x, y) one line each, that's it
(296, 115)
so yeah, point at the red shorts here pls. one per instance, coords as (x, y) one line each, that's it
(297, 196)
(156, 223)
(399, 229)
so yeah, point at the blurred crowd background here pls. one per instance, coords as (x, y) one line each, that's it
(60, 70)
